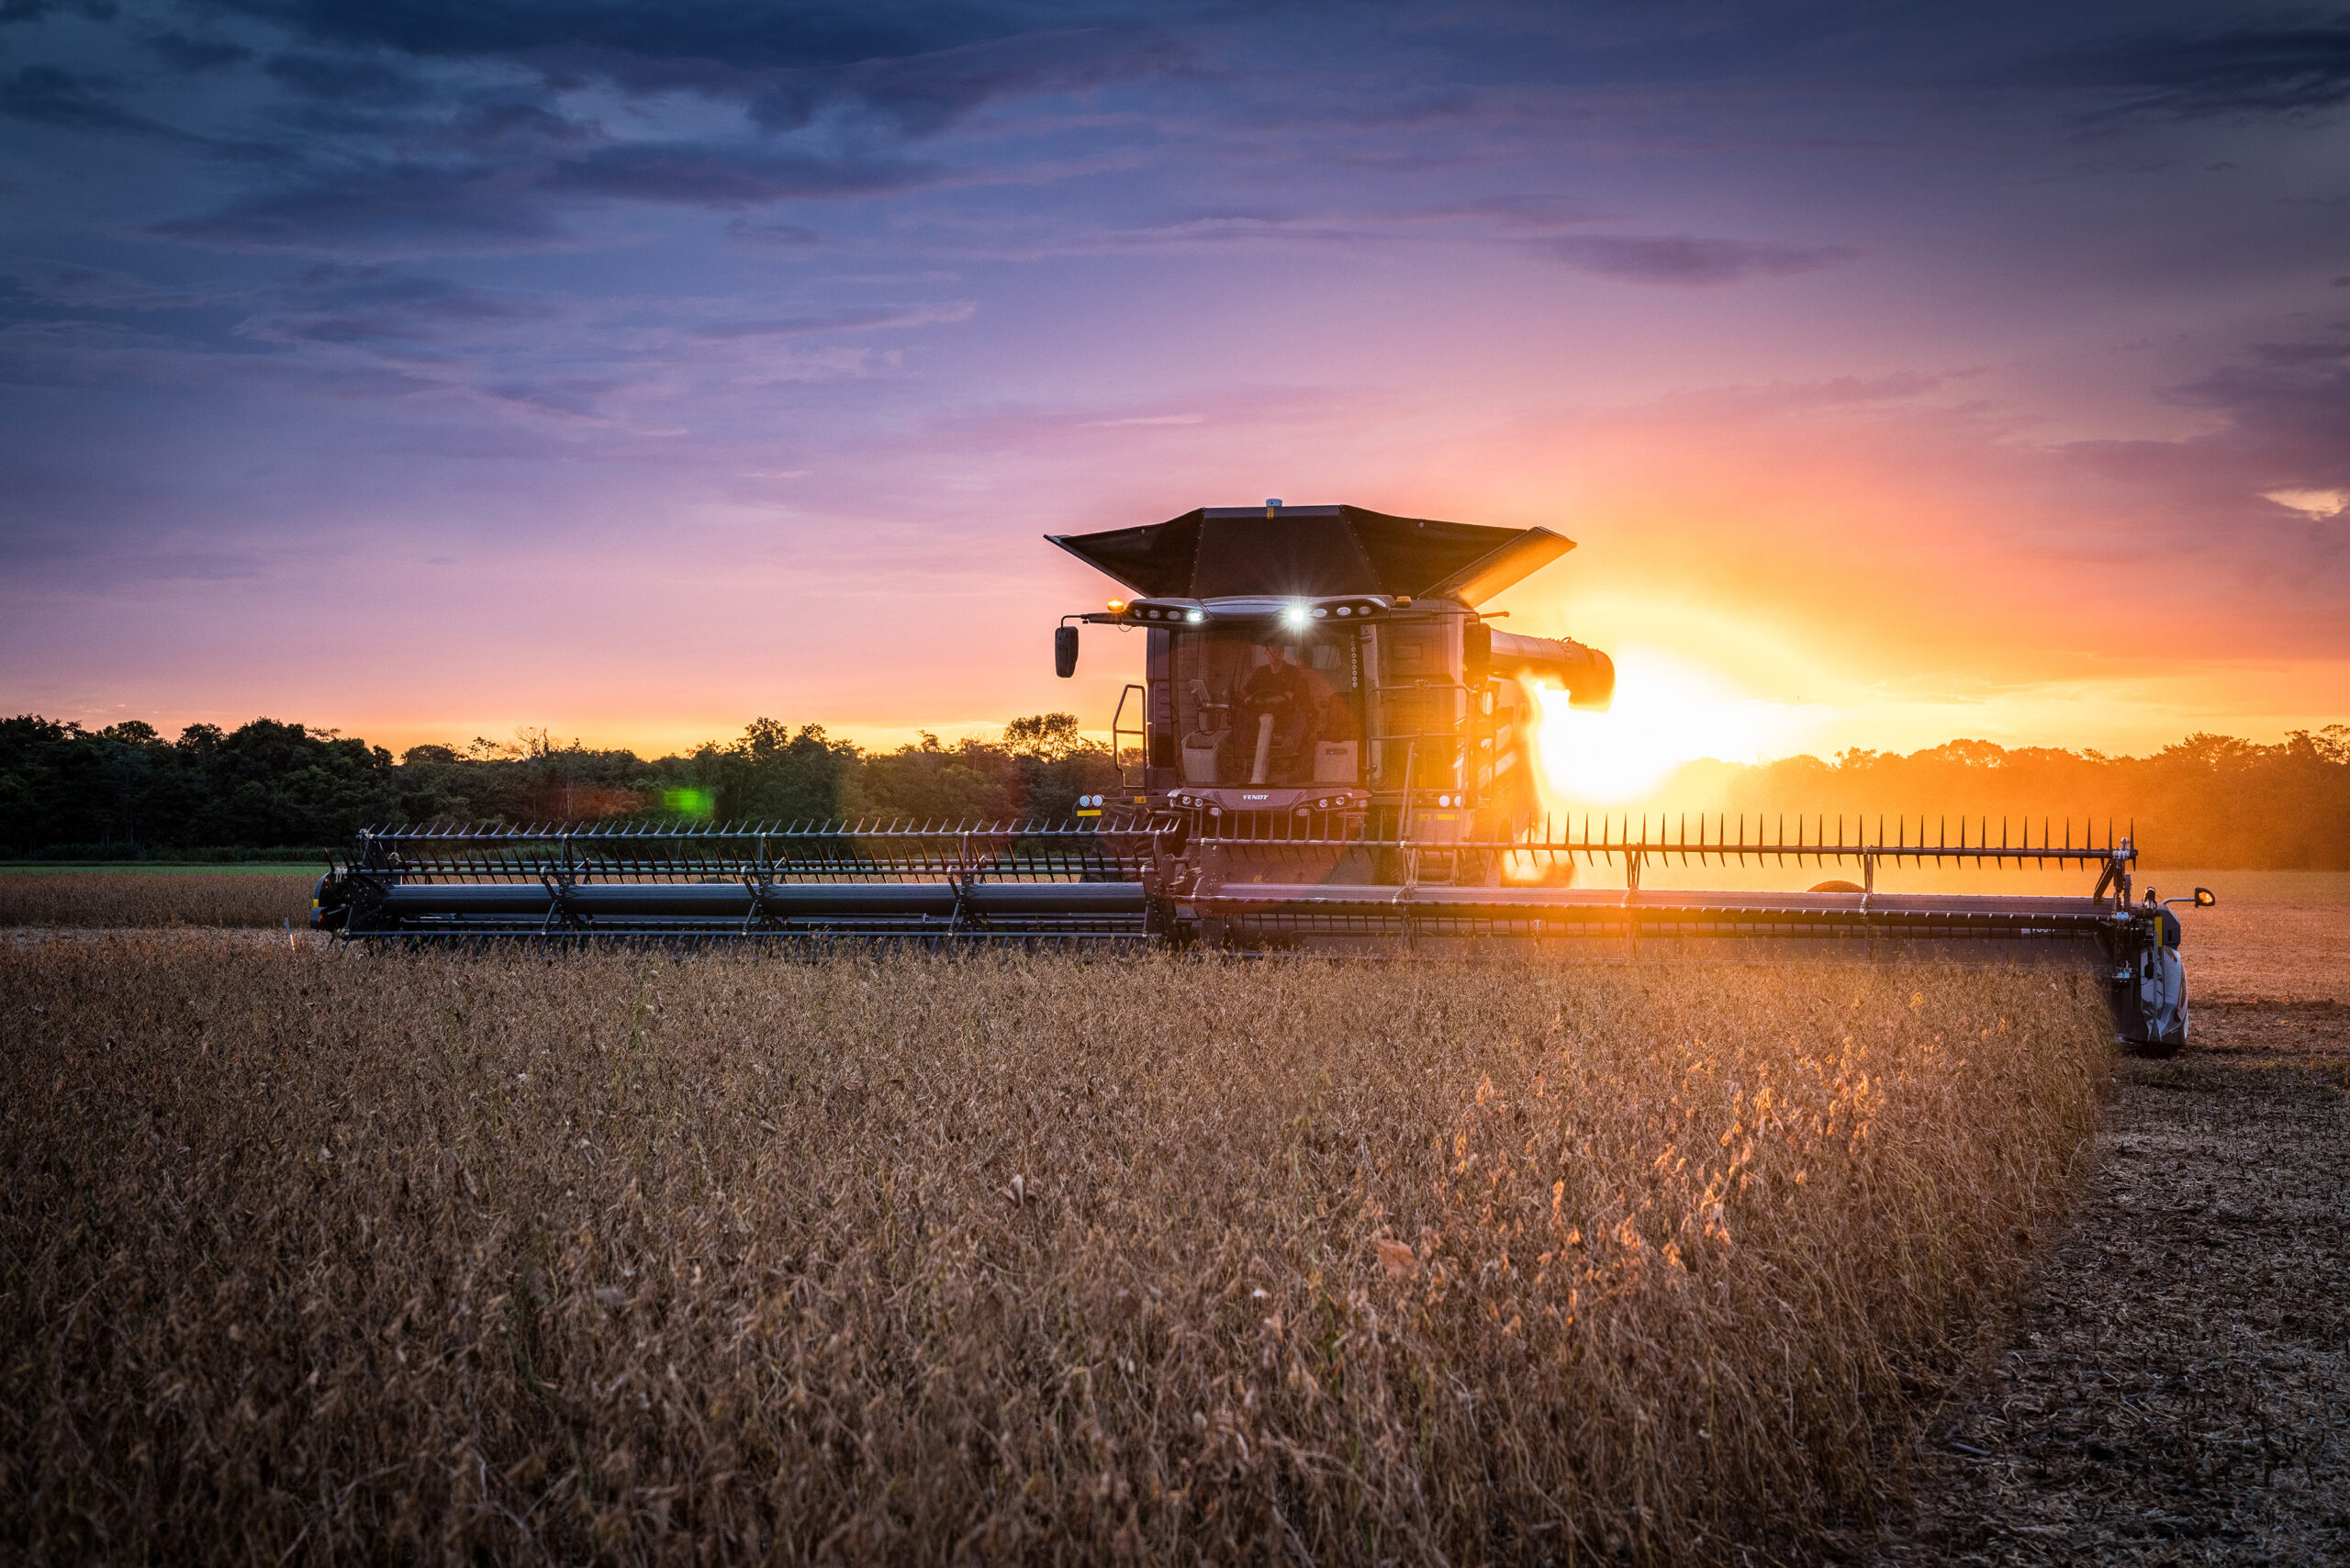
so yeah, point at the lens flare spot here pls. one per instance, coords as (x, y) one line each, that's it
(696, 805)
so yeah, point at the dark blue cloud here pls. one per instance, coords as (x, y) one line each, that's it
(2245, 71)
(918, 67)
(488, 203)
(346, 78)
(386, 151)
(339, 303)
(186, 53)
(923, 94)
(51, 94)
(401, 210)
(378, 111)
(59, 284)
(508, 129)
(725, 177)
(40, 10)
(808, 33)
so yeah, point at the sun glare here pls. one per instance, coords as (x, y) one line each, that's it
(1666, 712)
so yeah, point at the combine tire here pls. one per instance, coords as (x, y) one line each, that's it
(2151, 1009)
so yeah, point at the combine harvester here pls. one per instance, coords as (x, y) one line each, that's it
(1331, 748)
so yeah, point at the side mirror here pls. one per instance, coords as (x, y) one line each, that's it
(1065, 651)
(1477, 649)
(2205, 898)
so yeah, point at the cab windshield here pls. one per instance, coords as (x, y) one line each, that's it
(1261, 705)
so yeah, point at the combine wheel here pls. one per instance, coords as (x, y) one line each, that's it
(2151, 1005)
(2156, 1048)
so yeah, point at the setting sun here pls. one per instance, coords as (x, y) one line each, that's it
(1667, 712)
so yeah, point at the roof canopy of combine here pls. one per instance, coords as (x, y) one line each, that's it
(1312, 552)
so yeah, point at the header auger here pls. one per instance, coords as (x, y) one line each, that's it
(1331, 747)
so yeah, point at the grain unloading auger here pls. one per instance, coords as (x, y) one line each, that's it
(1331, 747)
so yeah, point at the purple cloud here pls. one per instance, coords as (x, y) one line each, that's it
(2260, 491)
(876, 317)
(1683, 261)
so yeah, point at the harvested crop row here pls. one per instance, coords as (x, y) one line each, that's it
(150, 899)
(1005, 1256)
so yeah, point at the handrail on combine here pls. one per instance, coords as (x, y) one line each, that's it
(1135, 778)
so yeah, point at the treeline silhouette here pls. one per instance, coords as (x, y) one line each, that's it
(2208, 800)
(125, 793)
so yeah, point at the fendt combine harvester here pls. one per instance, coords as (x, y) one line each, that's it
(1331, 747)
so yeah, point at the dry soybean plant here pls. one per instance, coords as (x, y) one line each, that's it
(312, 1255)
(153, 899)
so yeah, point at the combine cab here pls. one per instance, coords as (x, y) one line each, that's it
(1317, 676)
(1332, 748)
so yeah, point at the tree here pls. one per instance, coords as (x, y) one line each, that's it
(1042, 737)
(969, 781)
(773, 774)
(270, 784)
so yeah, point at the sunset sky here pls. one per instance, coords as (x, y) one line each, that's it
(636, 367)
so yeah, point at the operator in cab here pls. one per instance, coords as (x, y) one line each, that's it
(1282, 690)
